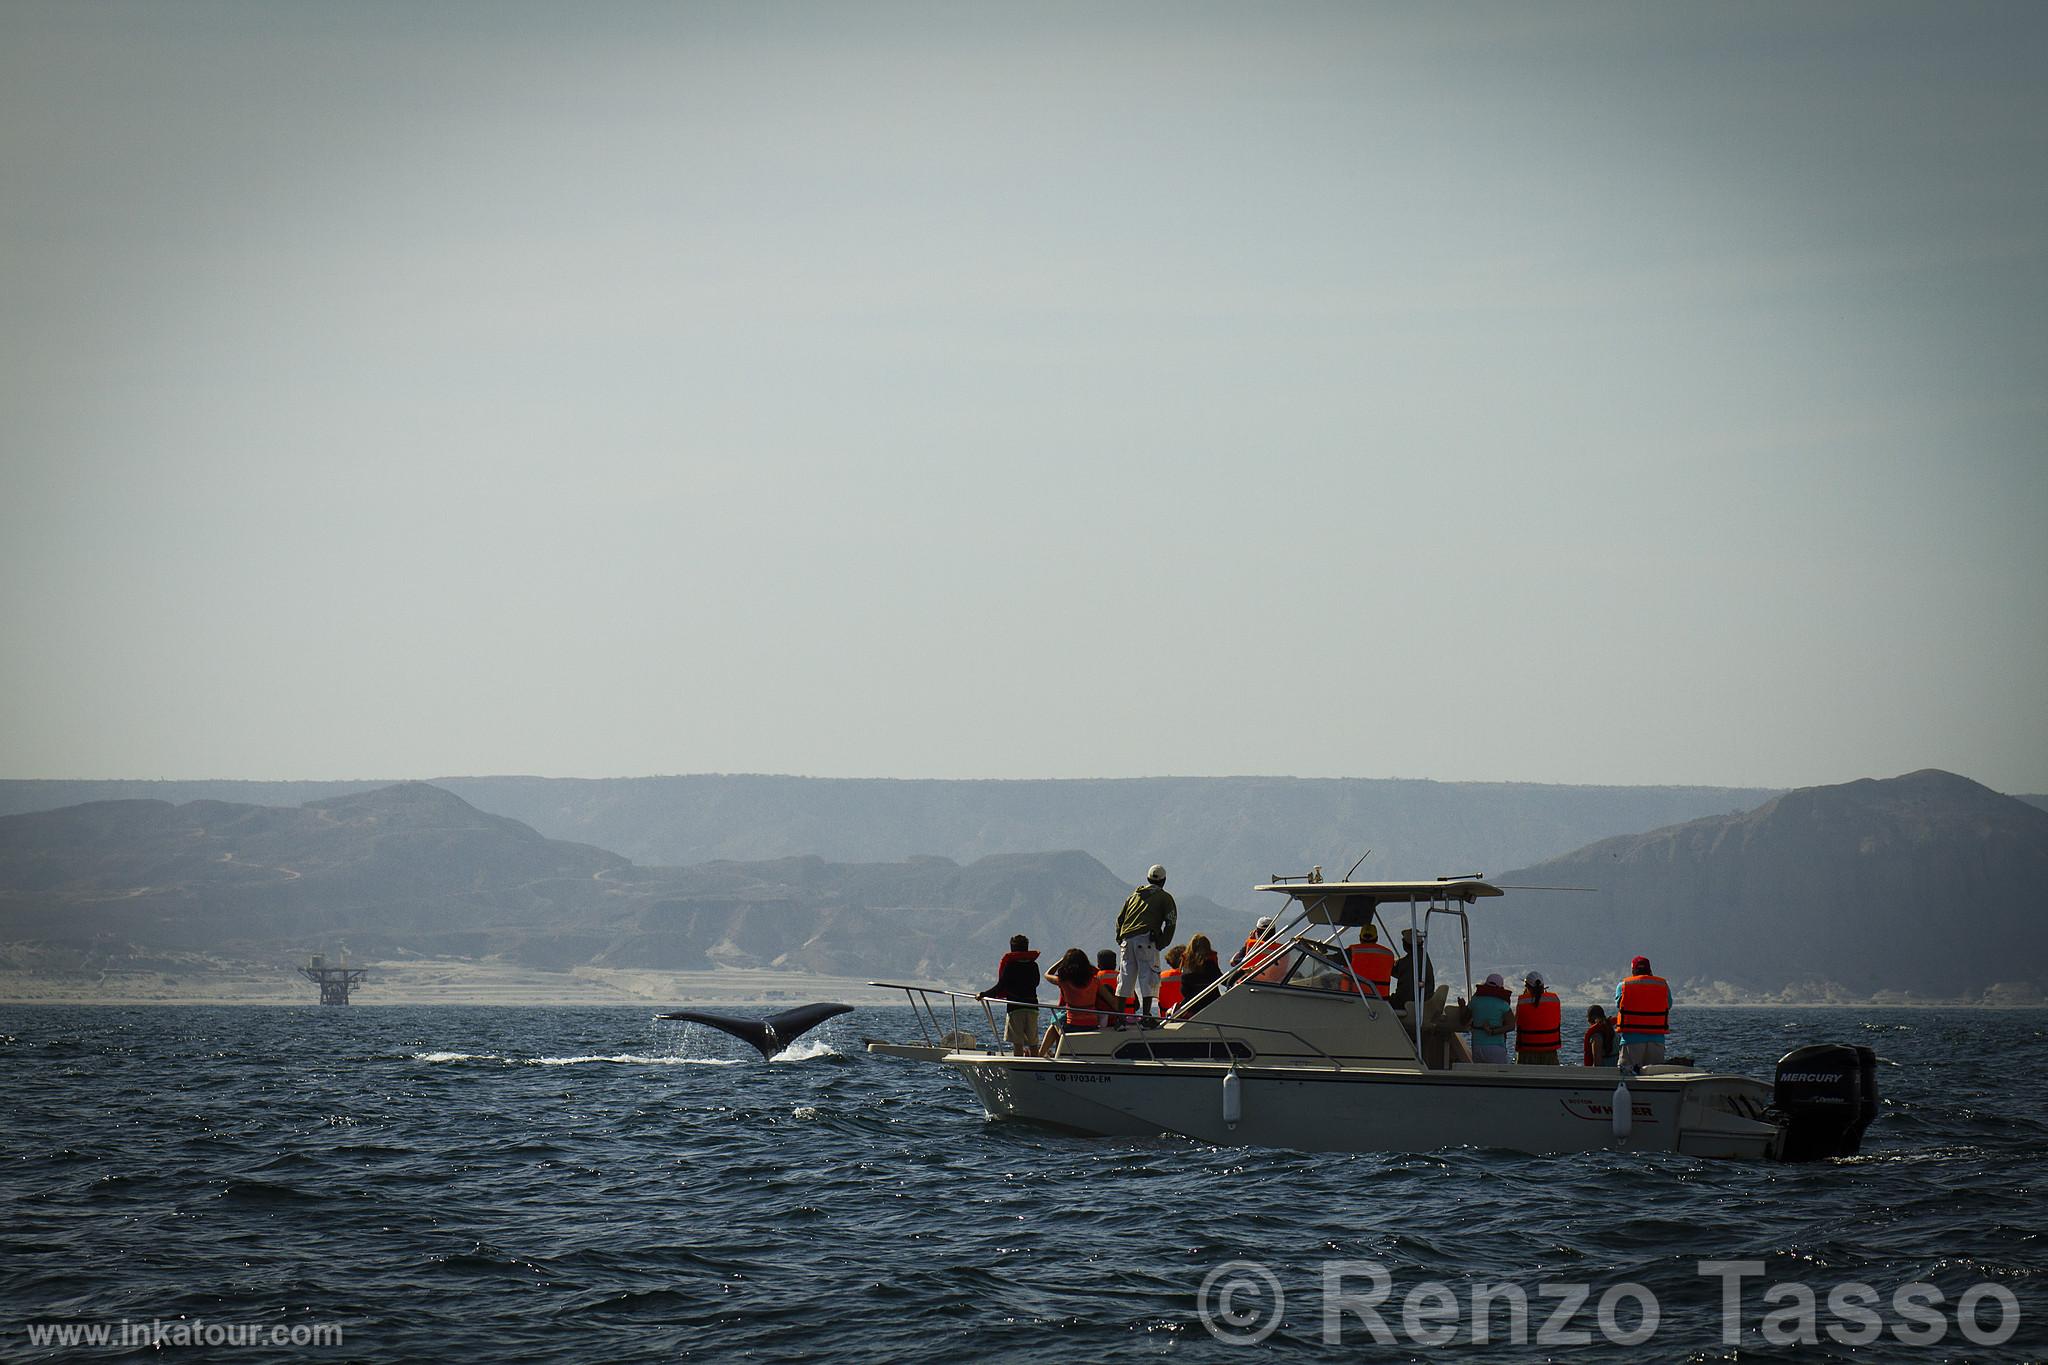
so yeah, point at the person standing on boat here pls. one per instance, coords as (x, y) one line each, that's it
(1143, 929)
(1404, 974)
(1539, 1023)
(1642, 1016)
(1493, 1013)
(1017, 983)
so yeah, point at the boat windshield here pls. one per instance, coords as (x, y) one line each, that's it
(1304, 965)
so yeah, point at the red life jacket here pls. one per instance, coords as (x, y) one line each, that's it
(1539, 1022)
(1169, 990)
(1645, 1005)
(1373, 964)
(1027, 956)
(1073, 997)
(1591, 1053)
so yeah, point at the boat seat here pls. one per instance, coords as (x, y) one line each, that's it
(1441, 1045)
(1432, 1010)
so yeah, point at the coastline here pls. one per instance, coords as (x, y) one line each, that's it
(458, 981)
(443, 982)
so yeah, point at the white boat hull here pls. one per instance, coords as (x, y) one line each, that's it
(1528, 1109)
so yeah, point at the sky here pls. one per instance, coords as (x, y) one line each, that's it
(1579, 393)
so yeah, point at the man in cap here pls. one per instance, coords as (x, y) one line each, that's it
(1372, 962)
(1642, 1016)
(1143, 928)
(1404, 974)
(1261, 931)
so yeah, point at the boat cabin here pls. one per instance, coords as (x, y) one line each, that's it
(1299, 1000)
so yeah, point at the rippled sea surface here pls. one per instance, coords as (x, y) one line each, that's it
(590, 1184)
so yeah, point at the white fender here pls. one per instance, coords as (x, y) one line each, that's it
(1624, 1109)
(1233, 1098)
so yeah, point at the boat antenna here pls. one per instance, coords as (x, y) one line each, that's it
(1354, 867)
(1505, 887)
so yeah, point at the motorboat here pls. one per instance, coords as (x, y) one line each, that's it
(1292, 1049)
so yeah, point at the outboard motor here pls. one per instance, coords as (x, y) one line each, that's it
(1868, 1056)
(1827, 1094)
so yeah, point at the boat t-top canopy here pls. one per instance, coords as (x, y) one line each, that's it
(1353, 903)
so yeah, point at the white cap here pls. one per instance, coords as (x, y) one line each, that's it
(1265, 922)
(1157, 874)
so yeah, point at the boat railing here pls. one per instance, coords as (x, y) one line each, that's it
(921, 1004)
(927, 1014)
(1257, 960)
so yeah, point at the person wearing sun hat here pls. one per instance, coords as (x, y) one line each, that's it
(1493, 1014)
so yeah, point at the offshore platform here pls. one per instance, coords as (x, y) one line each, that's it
(335, 982)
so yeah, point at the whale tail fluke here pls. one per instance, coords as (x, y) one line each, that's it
(770, 1035)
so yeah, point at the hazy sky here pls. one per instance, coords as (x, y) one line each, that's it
(1639, 393)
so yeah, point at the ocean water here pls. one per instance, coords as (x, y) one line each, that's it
(593, 1185)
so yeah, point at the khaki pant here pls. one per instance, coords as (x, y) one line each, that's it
(1536, 1058)
(1021, 1028)
(1636, 1056)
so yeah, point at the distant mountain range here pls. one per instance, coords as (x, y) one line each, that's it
(1927, 883)
(414, 871)
(1218, 836)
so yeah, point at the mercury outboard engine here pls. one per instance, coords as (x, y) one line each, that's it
(1827, 1095)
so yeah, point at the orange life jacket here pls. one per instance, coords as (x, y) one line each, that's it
(1645, 1005)
(1539, 1022)
(1106, 977)
(1373, 963)
(1258, 952)
(1073, 997)
(1169, 989)
(1270, 963)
